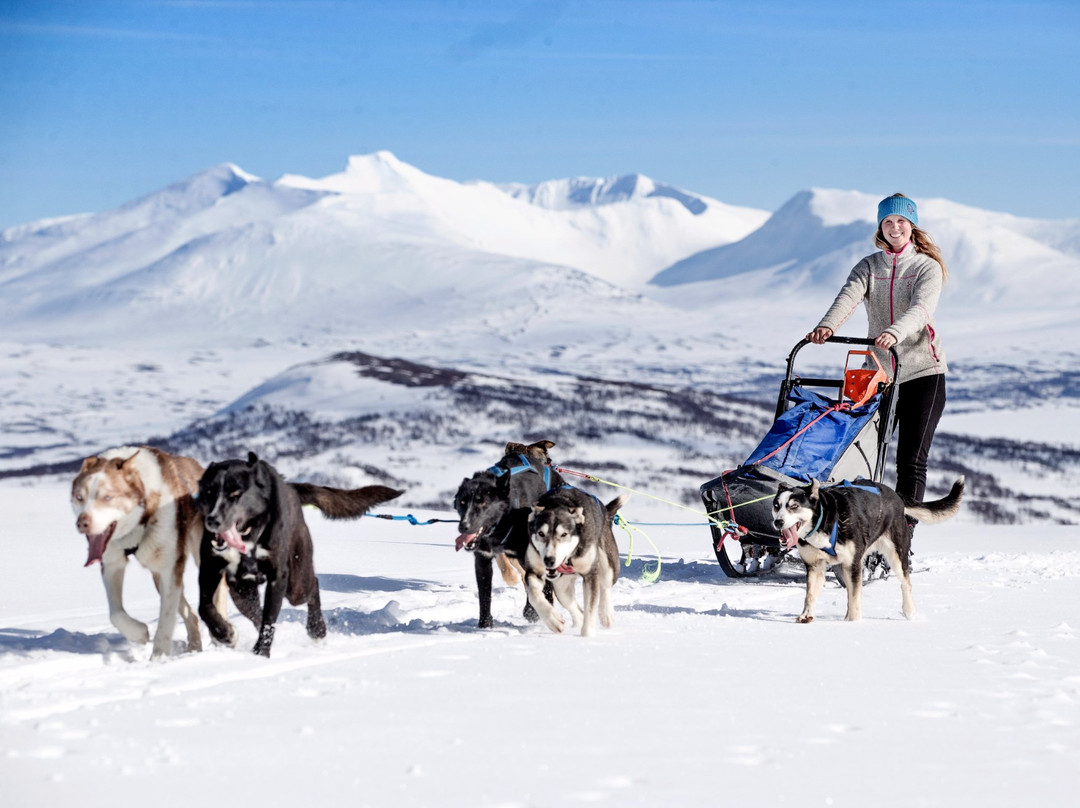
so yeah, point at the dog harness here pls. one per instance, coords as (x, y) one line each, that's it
(502, 471)
(499, 471)
(831, 549)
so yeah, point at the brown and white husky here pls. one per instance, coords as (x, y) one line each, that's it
(139, 501)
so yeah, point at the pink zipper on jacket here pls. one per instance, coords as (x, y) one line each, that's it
(892, 281)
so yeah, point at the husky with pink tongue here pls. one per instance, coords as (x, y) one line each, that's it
(137, 501)
(255, 534)
(840, 524)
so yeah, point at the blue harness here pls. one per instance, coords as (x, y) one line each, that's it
(831, 549)
(499, 471)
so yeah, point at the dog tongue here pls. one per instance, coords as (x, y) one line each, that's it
(463, 539)
(791, 536)
(97, 544)
(565, 569)
(232, 538)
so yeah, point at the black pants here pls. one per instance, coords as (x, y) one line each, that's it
(919, 405)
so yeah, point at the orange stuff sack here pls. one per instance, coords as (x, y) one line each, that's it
(861, 384)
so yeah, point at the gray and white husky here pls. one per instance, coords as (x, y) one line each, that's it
(840, 524)
(569, 537)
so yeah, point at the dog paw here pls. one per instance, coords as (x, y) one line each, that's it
(132, 629)
(224, 636)
(485, 622)
(266, 639)
(556, 624)
(805, 618)
(160, 651)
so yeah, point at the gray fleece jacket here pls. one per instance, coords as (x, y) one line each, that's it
(901, 292)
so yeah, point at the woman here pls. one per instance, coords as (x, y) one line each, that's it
(901, 286)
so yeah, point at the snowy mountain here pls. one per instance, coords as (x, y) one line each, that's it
(202, 314)
(578, 192)
(381, 243)
(385, 244)
(797, 234)
(811, 241)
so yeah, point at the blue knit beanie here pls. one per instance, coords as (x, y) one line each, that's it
(898, 206)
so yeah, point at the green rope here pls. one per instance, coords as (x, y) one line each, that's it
(649, 576)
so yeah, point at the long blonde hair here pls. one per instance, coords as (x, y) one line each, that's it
(923, 241)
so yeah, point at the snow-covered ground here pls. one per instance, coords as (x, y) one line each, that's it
(704, 693)
(140, 323)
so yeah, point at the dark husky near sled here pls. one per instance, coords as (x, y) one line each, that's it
(493, 507)
(254, 531)
(570, 536)
(840, 524)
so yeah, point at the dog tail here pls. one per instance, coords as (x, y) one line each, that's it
(940, 509)
(337, 503)
(612, 507)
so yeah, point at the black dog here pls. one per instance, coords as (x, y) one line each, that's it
(842, 523)
(493, 507)
(255, 532)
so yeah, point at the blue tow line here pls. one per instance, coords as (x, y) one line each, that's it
(412, 520)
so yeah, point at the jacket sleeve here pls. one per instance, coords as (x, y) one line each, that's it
(924, 301)
(851, 294)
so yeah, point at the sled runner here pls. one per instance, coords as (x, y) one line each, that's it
(825, 429)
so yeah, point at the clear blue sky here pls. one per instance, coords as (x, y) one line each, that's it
(748, 102)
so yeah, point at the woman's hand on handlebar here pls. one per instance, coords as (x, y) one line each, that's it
(819, 335)
(885, 340)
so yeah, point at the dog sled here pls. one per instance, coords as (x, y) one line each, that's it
(825, 429)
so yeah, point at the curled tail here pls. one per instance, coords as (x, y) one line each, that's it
(338, 503)
(612, 507)
(940, 509)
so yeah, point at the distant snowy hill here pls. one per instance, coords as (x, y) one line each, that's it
(796, 236)
(813, 239)
(343, 419)
(335, 418)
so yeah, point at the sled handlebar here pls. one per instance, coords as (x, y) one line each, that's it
(785, 388)
(842, 341)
